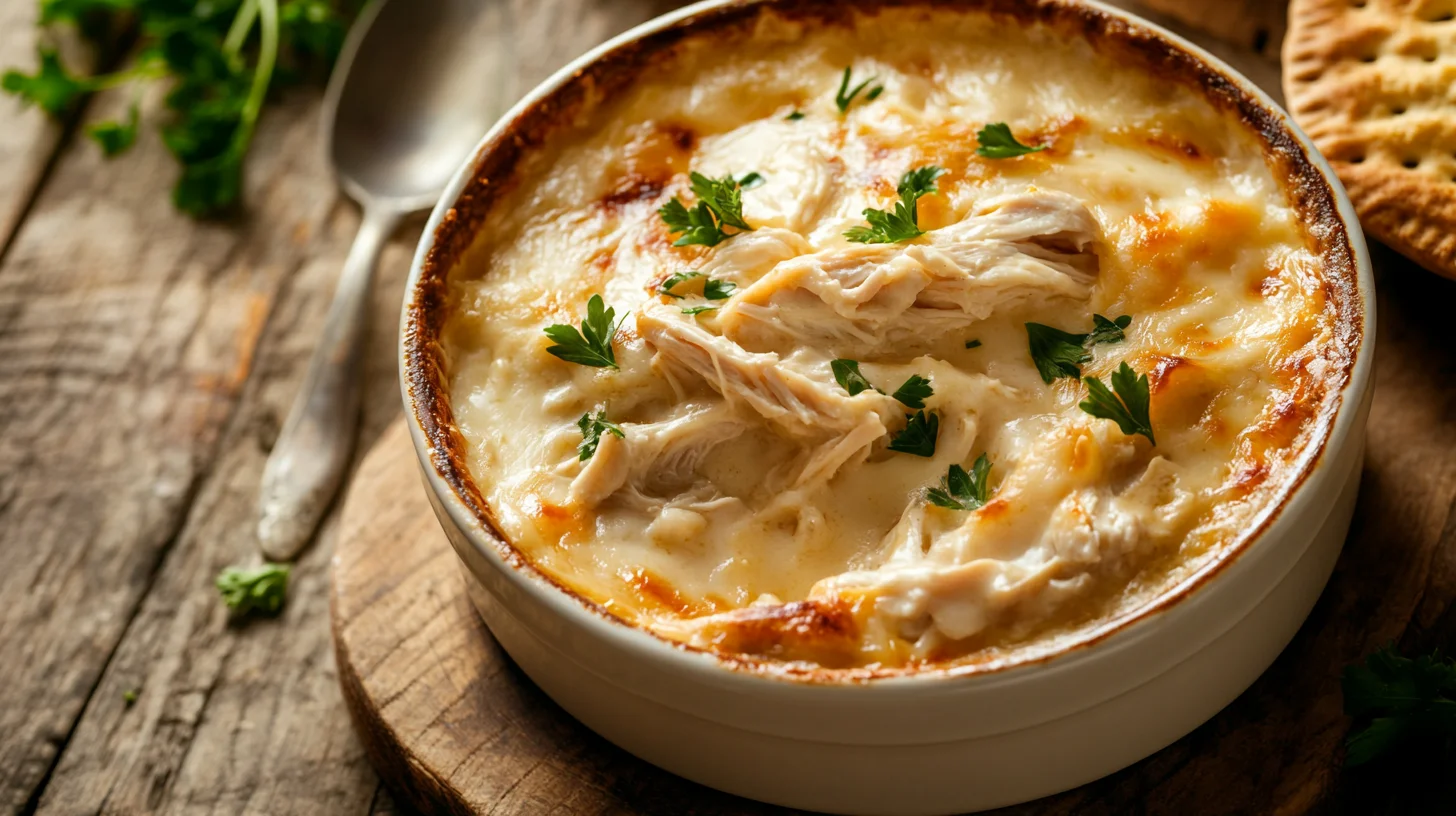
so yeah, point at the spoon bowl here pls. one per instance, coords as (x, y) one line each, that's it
(414, 87)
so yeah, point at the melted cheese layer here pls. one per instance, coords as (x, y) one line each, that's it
(751, 505)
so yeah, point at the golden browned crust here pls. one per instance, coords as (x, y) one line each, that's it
(1370, 80)
(501, 161)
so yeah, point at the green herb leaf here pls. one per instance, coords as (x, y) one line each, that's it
(592, 346)
(1395, 699)
(914, 391)
(720, 204)
(1061, 354)
(795, 116)
(50, 88)
(696, 225)
(1129, 409)
(844, 97)
(129, 697)
(918, 438)
(900, 224)
(718, 289)
(259, 589)
(677, 278)
(592, 427)
(723, 196)
(750, 180)
(79, 11)
(1107, 331)
(846, 373)
(963, 491)
(970, 344)
(693, 310)
(115, 137)
(1055, 352)
(998, 143)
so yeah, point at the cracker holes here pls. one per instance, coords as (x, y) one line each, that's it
(1410, 162)
(1357, 159)
(1438, 12)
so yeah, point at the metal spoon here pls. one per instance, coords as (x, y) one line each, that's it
(416, 85)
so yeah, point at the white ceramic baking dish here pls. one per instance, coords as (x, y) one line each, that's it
(937, 742)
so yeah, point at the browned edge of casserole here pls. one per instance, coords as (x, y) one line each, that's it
(569, 103)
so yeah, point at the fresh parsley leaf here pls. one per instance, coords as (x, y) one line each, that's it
(847, 374)
(718, 289)
(720, 204)
(1061, 354)
(913, 392)
(253, 589)
(970, 344)
(592, 427)
(750, 180)
(900, 224)
(1107, 331)
(78, 11)
(1395, 699)
(998, 143)
(918, 438)
(129, 697)
(693, 310)
(963, 491)
(592, 346)
(115, 137)
(795, 116)
(677, 278)
(51, 88)
(1129, 409)
(1055, 352)
(844, 97)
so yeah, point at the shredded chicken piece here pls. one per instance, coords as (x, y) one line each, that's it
(654, 458)
(865, 299)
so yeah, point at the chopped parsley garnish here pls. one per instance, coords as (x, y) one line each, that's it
(913, 392)
(129, 697)
(970, 344)
(718, 289)
(750, 180)
(846, 373)
(795, 116)
(918, 438)
(115, 137)
(998, 143)
(253, 589)
(900, 224)
(592, 346)
(1061, 354)
(592, 427)
(694, 310)
(1397, 699)
(678, 277)
(720, 204)
(960, 490)
(1129, 408)
(844, 97)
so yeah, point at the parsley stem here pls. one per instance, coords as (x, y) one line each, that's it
(242, 24)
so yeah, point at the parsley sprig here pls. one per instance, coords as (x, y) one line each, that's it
(912, 393)
(844, 97)
(1129, 408)
(998, 143)
(1397, 699)
(260, 589)
(218, 71)
(1061, 354)
(960, 490)
(720, 205)
(901, 223)
(592, 427)
(919, 436)
(592, 345)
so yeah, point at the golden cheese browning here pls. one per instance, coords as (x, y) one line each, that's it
(745, 501)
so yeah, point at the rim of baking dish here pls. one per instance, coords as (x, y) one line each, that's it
(462, 208)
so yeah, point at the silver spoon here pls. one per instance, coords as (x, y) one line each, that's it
(416, 85)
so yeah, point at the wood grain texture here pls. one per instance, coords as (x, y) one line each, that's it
(456, 728)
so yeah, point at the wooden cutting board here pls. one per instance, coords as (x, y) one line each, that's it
(453, 727)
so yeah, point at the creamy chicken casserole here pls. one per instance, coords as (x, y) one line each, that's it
(920, 337)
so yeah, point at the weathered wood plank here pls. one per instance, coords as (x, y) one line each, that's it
(228, 719)
(29, 138)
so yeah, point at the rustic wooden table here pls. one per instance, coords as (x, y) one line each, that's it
(145, 363)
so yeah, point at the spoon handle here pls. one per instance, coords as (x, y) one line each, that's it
(312, 452)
